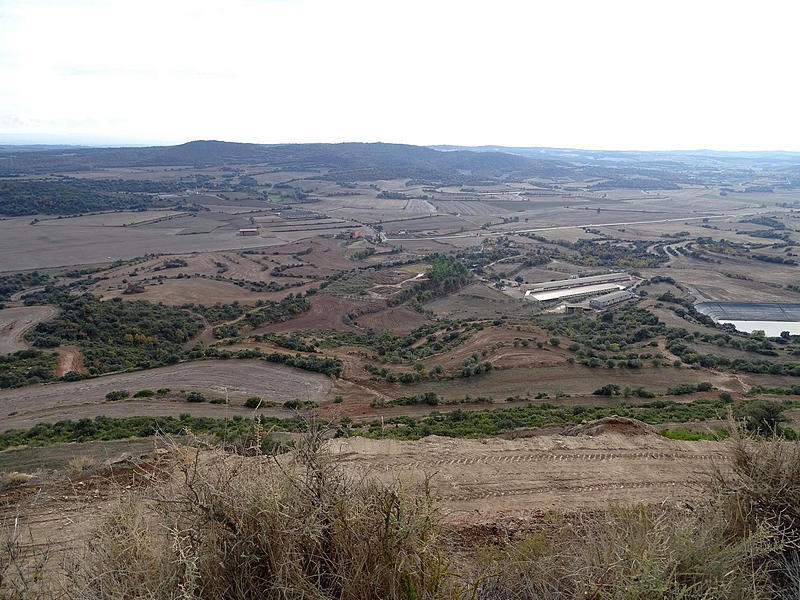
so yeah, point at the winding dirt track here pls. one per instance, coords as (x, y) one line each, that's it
(14, 322)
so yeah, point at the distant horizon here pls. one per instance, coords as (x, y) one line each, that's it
(58, 140)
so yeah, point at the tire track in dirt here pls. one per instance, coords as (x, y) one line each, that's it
(552, 457)
(565, 490)
(485, 480)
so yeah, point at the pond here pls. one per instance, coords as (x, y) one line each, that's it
(770, 328)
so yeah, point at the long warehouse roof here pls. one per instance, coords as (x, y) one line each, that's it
(549, 285)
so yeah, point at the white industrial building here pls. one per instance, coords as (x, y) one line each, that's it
(547, 286)
(606, 300)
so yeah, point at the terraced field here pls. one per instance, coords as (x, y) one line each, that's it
(240, 379)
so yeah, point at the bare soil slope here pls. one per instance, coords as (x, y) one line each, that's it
(489, 480)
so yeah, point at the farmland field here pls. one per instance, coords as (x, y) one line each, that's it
(181, 291)
(26, 246)
(239, 379)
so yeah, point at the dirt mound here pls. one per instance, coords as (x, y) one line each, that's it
(616, 425)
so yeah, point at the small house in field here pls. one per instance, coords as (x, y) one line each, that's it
(249, 231)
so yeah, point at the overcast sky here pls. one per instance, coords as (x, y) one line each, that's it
(645, 74)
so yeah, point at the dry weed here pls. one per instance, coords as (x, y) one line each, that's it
(14, 478)
(231, 526)
(80, 464)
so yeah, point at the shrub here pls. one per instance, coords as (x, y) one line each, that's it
(297, 404)
(195, 397)
(689, 435)
(117, 395)
(609, 389)
(79, 464)
(218, 401)
(253, 402)
(15, 478)
(320, 533)
(764, 416)
(144, 394)
(162, 391)
(689, 388)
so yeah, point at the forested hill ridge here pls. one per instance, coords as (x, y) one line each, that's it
(450, 165)
(348, 160)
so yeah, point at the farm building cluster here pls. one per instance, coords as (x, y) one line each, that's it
(593, 292)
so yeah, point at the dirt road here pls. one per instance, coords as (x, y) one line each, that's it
(14, 322)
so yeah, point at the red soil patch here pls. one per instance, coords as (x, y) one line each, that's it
(70, 358)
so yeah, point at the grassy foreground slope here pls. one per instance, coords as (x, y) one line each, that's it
(223, 525)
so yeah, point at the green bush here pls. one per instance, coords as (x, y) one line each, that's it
(689, 388)
(764, 416)
(610, 389)
(144, 394)
(297, 404)
(195, 397)
(26, 367)
(253, 402)
(688, 435)
(117, 395)
(115, 335)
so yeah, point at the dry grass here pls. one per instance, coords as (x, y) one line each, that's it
(15, 478)
(80, 464)
(237, 527)
(22, 566)
(635, 553)
(763, 491)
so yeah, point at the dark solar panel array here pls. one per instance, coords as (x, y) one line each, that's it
(750, 311)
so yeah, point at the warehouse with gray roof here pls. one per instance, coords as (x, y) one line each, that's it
(606, 300)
